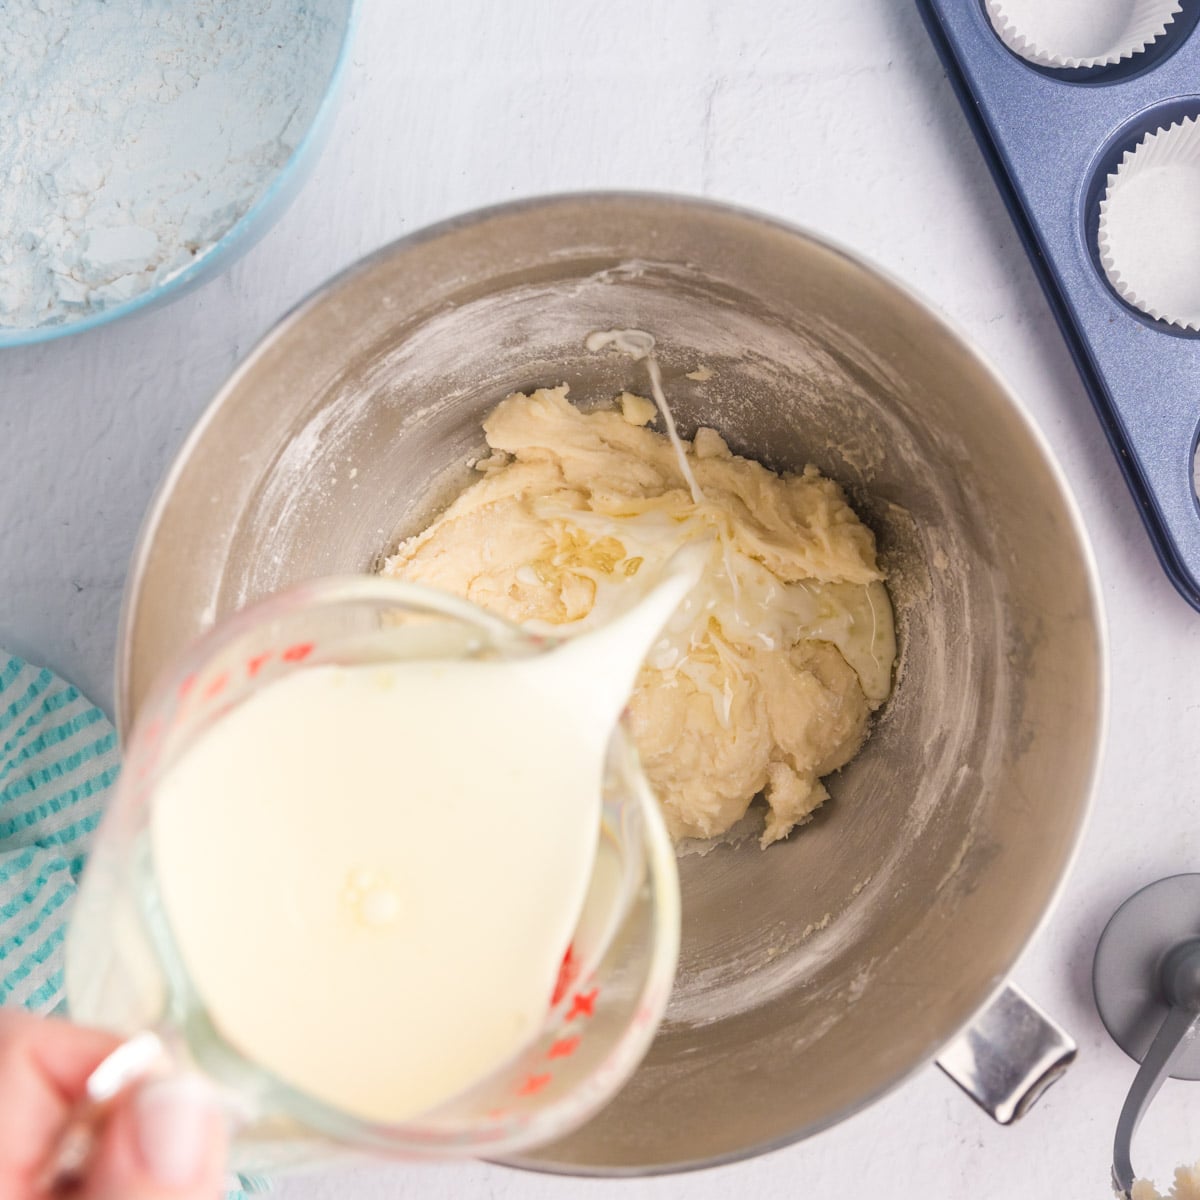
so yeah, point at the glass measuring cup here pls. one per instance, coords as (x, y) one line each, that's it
(124, 972)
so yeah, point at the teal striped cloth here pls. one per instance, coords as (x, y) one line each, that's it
(58, 760)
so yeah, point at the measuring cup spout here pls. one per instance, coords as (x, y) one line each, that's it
(597, 671)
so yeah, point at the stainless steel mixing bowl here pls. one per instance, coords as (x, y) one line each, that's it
(818, 974)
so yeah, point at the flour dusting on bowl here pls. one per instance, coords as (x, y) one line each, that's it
(137, 135)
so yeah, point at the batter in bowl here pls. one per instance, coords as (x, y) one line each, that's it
(765, 680)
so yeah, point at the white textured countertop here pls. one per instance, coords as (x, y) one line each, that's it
(842, 123)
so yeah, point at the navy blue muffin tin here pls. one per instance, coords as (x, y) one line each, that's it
(1051, 138)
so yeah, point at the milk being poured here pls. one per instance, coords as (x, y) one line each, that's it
(372, 873)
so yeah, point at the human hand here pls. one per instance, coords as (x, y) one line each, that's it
(163, 1141)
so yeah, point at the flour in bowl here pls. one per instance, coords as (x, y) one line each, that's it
(134, 135)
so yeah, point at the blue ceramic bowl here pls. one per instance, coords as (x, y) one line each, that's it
(277, 192)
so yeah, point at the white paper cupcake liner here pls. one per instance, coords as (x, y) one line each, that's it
(1080, 33)
(1149, 234)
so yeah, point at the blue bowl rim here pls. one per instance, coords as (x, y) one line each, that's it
(246, 226)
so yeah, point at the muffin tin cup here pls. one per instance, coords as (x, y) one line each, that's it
(1068, 34)
(1052, 139)
(1148, 233)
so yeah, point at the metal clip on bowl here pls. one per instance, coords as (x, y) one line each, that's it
(1008, 1056)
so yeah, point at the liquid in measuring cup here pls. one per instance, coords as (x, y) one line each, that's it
(371, 873)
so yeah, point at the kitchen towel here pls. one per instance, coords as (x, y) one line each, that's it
(58, 761)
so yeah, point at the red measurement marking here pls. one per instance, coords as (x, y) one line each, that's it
(497, 1114)
(583, 1004)
(564, 1047)
(255, 664)
(154, 730)
(186, 686)
(534, 1084)
(298, 652)
(217, 686)
(566, 976)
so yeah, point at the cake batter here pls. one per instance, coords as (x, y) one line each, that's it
(1186, 1186)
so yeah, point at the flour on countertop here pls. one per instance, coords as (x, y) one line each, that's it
(133, 135)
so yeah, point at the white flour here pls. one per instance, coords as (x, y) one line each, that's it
(134, 133)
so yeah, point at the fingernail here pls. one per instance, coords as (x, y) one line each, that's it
(174, 1125)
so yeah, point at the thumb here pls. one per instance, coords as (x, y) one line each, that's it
(165, 1141)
